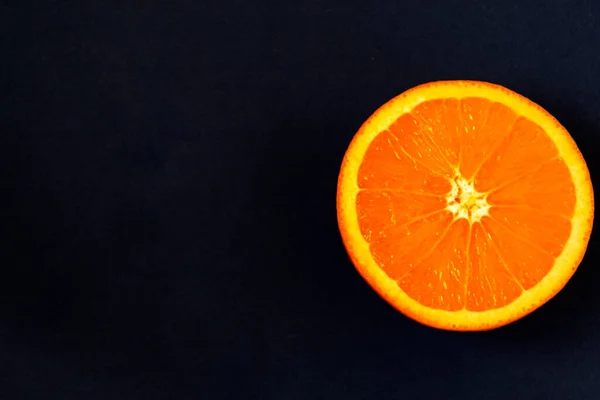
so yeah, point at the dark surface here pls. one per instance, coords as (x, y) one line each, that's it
(168, 174)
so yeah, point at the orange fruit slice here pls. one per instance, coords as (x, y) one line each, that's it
(465, 205)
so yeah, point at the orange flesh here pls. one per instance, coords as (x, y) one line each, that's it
(474, 261)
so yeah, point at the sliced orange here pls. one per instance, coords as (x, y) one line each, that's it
(465, 205)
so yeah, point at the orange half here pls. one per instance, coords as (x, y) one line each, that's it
(465, 205)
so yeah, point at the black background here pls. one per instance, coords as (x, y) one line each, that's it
(168, 175)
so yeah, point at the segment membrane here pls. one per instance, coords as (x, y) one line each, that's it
(416, 210)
